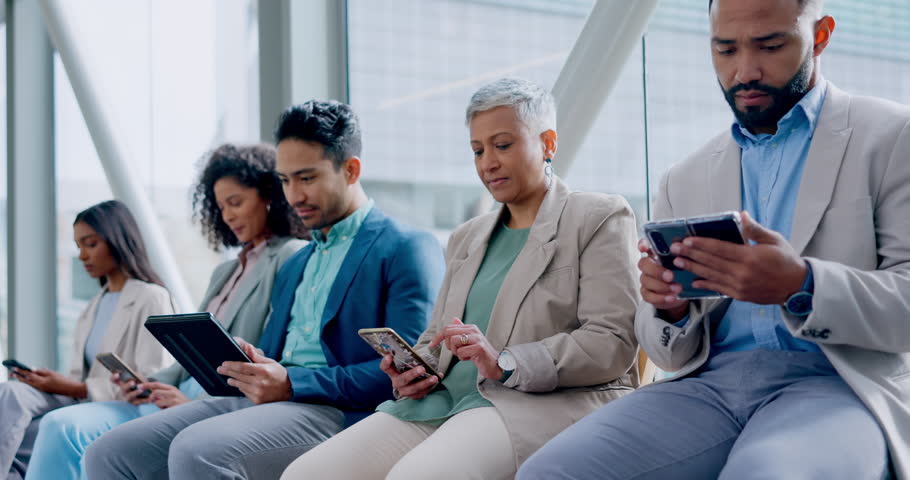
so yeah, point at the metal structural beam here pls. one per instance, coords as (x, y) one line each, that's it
(31, 209)
(274, 62)
(112, 152)
(611, 33)
(302, 55)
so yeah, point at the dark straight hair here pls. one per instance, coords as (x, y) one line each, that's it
(115, 224)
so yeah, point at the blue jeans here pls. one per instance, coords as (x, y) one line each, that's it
(744, 415)
(65, 433)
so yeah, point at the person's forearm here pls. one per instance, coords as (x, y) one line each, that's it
(77, 390)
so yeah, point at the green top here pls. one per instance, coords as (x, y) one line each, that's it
(303, 346)
(459, 388)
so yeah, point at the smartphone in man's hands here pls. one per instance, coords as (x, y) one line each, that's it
(725, 226)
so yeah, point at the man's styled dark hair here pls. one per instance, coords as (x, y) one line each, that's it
(114, 223)
(253, 167)
(331, 124)
(802, 4)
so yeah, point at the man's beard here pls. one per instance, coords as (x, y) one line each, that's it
(782, 99)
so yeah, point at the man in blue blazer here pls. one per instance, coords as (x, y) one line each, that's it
(312, 375)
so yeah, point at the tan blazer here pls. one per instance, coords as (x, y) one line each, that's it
(126, 336)
(852, 223)
(246, 314)
(565, 311)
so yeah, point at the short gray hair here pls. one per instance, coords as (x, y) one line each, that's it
(533, 105)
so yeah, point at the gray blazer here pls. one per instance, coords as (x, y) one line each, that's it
(246, 314)
(564, 311)
(852, 224)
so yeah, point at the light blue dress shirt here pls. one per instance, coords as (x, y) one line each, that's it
(772, 167)
(303, 345)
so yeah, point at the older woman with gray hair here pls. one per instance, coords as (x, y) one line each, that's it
(532, 328)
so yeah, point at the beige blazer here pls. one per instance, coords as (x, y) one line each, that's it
(126, 336)
(246, 314)
(565, 311)
(852, 223)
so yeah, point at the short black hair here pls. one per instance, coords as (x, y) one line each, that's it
(330, 123)
(802, 4)
(252, 166)
(115, 224)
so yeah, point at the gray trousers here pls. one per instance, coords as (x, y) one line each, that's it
(215, 438)
(21, 408)
(745, 415)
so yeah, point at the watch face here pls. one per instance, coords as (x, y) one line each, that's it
(506, 361)
(800, 303)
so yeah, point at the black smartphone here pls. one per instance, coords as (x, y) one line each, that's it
(115, 364)
(725, 226)
(11, 364)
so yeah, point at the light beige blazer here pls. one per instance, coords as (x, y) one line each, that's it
(126, 336)
(565, 311)
(852, 223)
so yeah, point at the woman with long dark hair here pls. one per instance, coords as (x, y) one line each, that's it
(239, 203)
(112, 250)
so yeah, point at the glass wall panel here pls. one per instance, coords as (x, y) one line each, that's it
(869, 54)
(4, 306)
(612, 159)
(177, 78)
(414, 65)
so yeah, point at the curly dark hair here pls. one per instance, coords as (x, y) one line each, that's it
(330, 123)
(254, 167)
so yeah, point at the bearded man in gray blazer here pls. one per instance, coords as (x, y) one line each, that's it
(804, 371)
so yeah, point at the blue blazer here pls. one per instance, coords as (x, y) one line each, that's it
(389, 278)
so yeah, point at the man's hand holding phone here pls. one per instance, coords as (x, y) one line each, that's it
(766, 273)
(408, 383)
(658, 287)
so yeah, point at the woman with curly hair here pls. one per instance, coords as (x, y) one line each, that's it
(239, 202)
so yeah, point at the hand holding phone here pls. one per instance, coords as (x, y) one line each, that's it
(414, 383)
(412, 376)
(662, 234)
(14, 365)
(658, 287)
(126, 377)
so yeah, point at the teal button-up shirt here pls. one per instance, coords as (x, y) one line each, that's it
(303, 347)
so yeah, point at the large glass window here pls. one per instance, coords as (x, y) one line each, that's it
(612, 158)
(176, 79)
(4, 306)
(869, 54)
(414, 65)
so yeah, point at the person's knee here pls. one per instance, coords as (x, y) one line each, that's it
(773, 460)
(56, 426)
(109, 455)
(546, 463)
(12, 392)
(193, 448)
(100, 455)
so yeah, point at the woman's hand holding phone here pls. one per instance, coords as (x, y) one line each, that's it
(658, 288)
(129, 389)
(408, 383)
(164, 395)
(49, 381)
